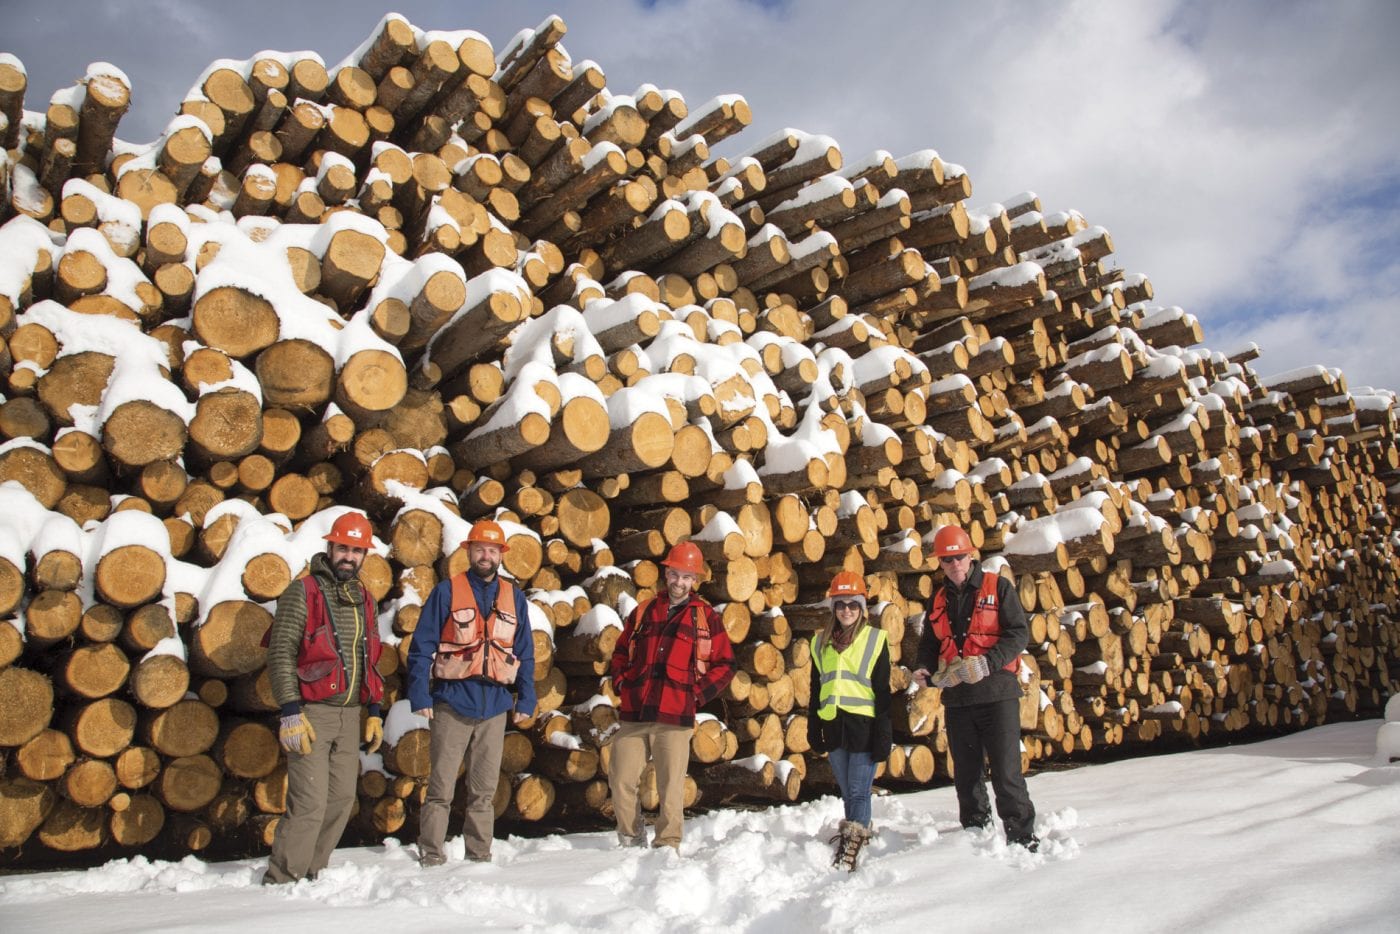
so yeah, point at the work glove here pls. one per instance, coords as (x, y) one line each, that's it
(374, 734)
(974, 668)
(296, 734)
(949, 675)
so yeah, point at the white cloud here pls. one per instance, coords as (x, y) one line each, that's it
(1358, 338)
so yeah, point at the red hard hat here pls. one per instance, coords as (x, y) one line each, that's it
(351, 529)
(847, 584)
(487, 532)
(685, 556)
(951, 540)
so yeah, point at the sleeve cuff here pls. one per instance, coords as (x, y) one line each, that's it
(291, 709)
(374, 711)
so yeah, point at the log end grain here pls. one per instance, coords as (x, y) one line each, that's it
(27, 699)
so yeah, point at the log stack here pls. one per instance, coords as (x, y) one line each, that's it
(441, 282)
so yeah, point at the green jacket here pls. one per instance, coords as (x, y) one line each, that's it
(346, 604)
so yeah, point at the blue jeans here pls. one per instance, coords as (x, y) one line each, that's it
(855, 773)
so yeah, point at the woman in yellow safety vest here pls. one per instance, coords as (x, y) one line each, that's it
(851, 697)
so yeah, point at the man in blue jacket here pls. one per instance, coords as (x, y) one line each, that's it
(472, 648)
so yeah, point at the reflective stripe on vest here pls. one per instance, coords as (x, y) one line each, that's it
(473, 646)
(846, 676)
(983, 630)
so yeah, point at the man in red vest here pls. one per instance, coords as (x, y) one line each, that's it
(321, 656)
(472, 662)
(673, 658)
(973, 640)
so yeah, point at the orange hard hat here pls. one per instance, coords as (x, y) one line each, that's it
(351, 529)
(847, 584)
(487, 532)
(951, 540)
(685, 556)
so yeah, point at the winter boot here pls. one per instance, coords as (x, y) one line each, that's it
(853, 837)
(1031, 842)
(838, 843)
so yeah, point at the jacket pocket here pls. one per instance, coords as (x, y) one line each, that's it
(680, 666)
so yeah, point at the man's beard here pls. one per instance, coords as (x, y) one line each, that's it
(344, 571)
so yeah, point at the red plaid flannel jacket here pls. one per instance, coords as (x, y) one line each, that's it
(653, 666)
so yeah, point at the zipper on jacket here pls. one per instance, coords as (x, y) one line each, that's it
(354, 657)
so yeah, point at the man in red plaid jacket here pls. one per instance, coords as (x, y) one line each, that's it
(672, 659)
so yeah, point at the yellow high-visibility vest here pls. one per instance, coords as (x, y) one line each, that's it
(846, 676)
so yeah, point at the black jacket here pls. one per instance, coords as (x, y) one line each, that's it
(851, 731)
(999, 683)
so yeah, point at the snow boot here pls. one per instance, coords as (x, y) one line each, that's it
(848, 843)
(838, 844)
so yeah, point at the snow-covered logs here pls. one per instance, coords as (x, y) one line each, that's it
(438, 283)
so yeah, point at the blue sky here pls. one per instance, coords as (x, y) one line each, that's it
(1243, 155)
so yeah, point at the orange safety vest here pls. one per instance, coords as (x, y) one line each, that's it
(704, 644)
(473, 646)
(983, 630)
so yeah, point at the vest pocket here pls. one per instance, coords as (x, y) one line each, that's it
(453, 660)
(314, 671)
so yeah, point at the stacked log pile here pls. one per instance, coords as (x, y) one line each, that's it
(439, 282)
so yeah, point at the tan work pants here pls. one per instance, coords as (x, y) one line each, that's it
(452, 739)
(320, 794)
(669, 748)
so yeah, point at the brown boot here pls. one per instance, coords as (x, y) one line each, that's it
(838, 843)
(853, 837)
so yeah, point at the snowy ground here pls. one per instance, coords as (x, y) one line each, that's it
(1300, 833)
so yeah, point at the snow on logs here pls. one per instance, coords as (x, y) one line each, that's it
(438, 283)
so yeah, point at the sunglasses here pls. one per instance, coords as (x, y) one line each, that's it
(845, 605)
(951, 559)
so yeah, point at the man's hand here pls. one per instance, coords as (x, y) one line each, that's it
(974, 668)
(920, 676)
(296, 734)
(949, 675)
(374, 734)
(518, 718)
(426, 713)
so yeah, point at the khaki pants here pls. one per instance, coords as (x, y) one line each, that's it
(320, 794)
(454, 737)
(669, 747)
